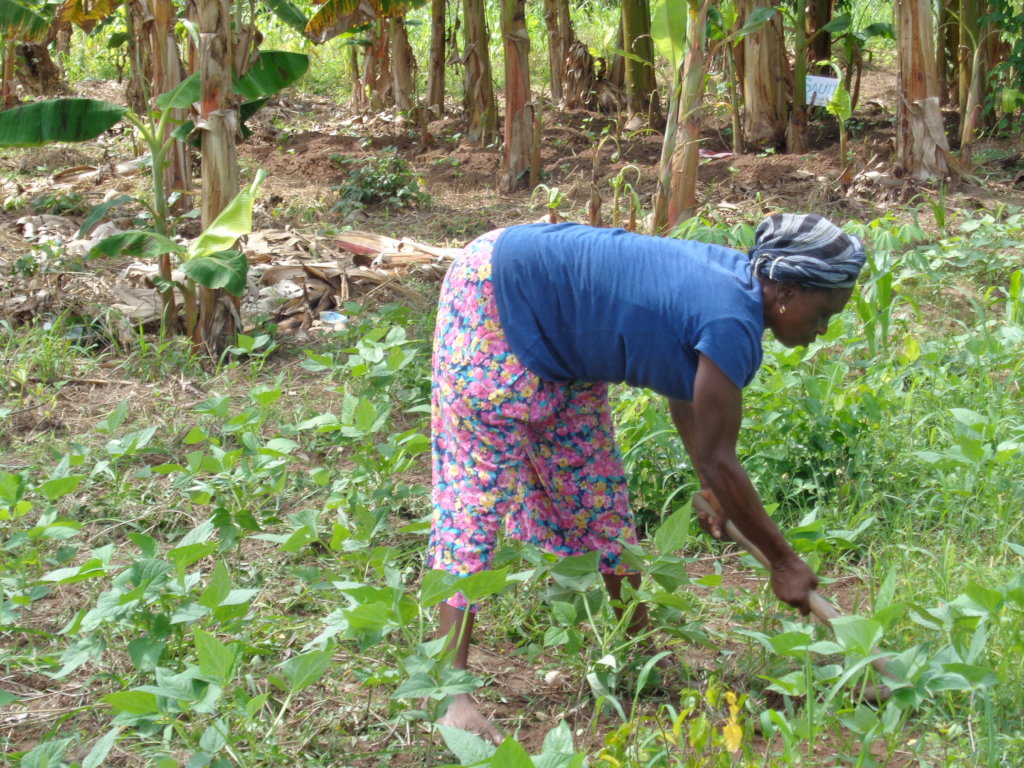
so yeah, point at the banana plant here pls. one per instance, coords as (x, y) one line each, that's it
(75, 120)
(210, 260)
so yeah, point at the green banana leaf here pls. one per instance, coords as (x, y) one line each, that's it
(44, 122)
(233, 222)
(181, 96)
(21, 22)
(271, 72)
(289, 13)
(223, 269)
(137, 243)
(668, 30)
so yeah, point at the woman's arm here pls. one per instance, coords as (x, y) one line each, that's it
(709, 427)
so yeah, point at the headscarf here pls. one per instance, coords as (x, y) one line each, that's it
(806, 249)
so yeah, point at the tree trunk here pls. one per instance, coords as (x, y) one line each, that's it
(481, 108)
(402, 65)
(359, 100)
(518, 109)
(435, 66)
(969, 40)
(764, 81)
(947, 34)
(556, 55)
(218, 119)
(377, 72)
(796, 133)
(641, 86)
(921, 145)
(819, 13)
(676, 198)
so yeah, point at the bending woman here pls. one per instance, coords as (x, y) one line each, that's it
(535, 321)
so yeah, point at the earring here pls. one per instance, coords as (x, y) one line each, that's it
(782, 309)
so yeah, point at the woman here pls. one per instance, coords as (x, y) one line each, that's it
(535, 321)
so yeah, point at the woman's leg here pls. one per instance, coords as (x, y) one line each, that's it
(462, 712)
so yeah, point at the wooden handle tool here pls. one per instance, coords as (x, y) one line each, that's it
(823, 610)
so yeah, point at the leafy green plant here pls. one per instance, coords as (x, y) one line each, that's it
(384, 178)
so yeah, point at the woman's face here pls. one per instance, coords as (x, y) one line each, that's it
(798, 316)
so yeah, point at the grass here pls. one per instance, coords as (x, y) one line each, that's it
(221, 565)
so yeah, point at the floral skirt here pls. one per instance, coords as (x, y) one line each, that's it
(508, 446)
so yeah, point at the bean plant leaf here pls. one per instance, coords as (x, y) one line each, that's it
(305, 669)
(857, 634)
(435, 587)
(469, 748)
(511, 754)
(98, 754)
(227, 270)
(133, 702)
(578, 572)
(60, 486)
(674, 531)
(48, 754)
(44, 122)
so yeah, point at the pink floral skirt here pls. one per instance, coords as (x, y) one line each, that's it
(508, 446)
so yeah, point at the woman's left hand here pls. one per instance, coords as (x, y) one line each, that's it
(713, 525)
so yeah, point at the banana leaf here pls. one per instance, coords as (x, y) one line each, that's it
(271, 72)
(231, 223)
(223, 269)
(44, 122)
(339, 16)
(289, 13)
(87, 15)
(136, 243)
(22, 23)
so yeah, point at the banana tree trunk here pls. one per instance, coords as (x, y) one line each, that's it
(641, 87)
(764, 80)
(217, 322)
(947, 35)
(402, 64)
(796, 133)
(436, 62)
(355, 74)
(556, 57)
(478, 99)
(676, 197)
(921, 145)
(819, 13)
(970, 38)
(519, 114)
(377, 72)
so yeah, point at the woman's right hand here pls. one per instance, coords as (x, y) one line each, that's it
(792, 582)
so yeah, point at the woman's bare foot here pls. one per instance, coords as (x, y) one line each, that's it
(463, 714)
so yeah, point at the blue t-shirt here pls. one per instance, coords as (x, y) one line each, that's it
(585, 304)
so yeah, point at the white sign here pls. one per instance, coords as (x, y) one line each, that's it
(821, 89)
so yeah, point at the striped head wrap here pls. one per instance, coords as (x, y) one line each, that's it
(806, 249)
